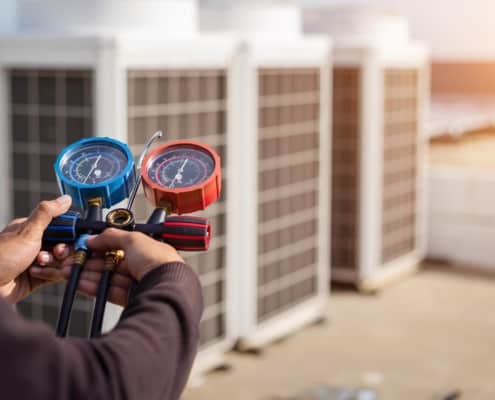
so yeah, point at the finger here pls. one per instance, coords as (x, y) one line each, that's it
(117, 279)
(61, 251)
(98, 264)
(44, 258)
(116, 295)
(110, 239)
(41, 217)
(93, 264)
(46, 273)
(17, 221)
(123, 280)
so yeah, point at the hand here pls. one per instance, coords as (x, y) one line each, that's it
(20, 244)
(56, 270)
(142, 253)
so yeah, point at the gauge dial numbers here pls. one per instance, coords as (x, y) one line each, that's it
(184, 176)
(96, 168)
(93, 164)
(181, 168)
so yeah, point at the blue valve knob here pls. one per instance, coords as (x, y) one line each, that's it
(62, 229)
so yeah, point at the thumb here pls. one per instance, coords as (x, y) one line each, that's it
(110, 239)
(41, 217)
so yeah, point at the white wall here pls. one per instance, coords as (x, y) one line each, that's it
(461, 220)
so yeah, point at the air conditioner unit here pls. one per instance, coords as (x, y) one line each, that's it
(68, 80)
(380, 92)
(282, 96)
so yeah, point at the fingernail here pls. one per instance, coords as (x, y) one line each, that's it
(36, 270)
(64, 200)
(45, 258)
(65, 252)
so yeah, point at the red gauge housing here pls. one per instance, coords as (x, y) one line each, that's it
(174, 157)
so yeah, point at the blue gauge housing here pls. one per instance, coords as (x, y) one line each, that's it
(111, 189)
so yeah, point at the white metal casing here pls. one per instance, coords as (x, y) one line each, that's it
(258, 53)
(372, 60)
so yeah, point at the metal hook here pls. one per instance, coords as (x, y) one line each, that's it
(132, 197)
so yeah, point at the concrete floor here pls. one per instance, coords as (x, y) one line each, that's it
(423, 337)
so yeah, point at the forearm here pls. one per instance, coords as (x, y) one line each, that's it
(147, 356)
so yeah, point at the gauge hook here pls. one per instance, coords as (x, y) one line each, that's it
(132, 197)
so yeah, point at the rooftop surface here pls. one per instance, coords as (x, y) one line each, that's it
(471, 150)
(423, 338)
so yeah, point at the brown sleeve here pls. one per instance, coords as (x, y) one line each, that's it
(147, 356)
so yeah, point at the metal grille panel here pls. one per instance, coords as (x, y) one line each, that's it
(49, 109)
(187, 104)
(400, 163)
(288, 142)
(345, 167)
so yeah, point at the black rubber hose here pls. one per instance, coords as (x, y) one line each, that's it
(69, 295)
(94, 213)
(100, 303)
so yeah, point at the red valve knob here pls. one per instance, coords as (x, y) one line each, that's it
(187, 233)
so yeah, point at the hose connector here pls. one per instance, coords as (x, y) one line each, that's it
(112, 259)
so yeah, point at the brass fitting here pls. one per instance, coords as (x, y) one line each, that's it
(80, 257)
(120, 218)
(113, 258)
(166, 206)
(96, 201)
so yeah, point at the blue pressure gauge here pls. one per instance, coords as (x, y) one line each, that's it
(93, 168)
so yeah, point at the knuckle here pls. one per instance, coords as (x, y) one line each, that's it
(44, 206)
(111, 231)
(133, 238)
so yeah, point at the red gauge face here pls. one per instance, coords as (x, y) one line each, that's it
(181, 167)
(183, 176)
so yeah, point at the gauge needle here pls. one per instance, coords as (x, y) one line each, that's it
(178, 177)
(93, 168)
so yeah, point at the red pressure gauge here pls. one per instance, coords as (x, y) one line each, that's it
(183, 176)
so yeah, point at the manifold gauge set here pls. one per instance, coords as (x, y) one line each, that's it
(99, 173)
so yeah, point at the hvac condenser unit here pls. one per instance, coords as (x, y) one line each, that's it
(380, 96)
(282, 98)
(70, 78)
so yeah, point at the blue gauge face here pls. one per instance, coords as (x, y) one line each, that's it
(93, 163)
(181, 167)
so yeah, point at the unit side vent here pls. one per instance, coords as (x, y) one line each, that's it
(288, 146)
(400, 172)
(345, 167)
